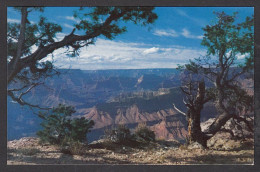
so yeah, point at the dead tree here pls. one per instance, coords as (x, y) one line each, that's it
(195, 95)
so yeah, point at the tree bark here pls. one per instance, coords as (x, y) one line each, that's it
(194, 130)
(15, 60)
(225, 113)
(193, 116)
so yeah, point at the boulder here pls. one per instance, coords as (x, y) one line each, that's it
(223, 141)
(195, 145)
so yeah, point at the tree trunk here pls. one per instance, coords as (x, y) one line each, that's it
(194, 130)
(193, 116)
(13, 63)
(218, 123)
(225, 112)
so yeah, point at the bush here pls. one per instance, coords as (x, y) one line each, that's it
(143, 133)
(183, 147)
(70, 146)
(58, 126)
(119, 134)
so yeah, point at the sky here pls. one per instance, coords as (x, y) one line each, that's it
(173, 39)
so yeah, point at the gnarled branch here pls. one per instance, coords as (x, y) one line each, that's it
(178, 110)
(19, 99)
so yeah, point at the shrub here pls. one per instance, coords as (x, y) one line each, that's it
(183, 147)
(70, 146)
(79, 128)
(59, 125)
(143, 133)
(119, 134)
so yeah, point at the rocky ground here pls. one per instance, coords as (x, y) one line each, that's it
(27, 151)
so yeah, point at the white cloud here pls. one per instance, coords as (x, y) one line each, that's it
(242, 56)
(108, 54)
(151, 50)
(13, 20)
(182, 13)
(170, 32)
(68, 26)
(60, 36)
(239, 56)
(97, 58)
(186, 33)
(72, 19)
(200, 37)
(198, 21)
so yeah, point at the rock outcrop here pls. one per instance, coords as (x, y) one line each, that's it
(237, 136)
(166, 123)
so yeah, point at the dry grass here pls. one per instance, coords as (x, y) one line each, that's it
(118, 154)
(74, 148)
(28, 151)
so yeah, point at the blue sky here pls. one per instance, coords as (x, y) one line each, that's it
(173, 39)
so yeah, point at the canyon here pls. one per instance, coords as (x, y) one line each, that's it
(112, 97)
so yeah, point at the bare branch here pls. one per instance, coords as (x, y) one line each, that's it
(22, 102)
(239, 118)
(178, 110)
(207, 100)
(218, 123)
(228, 131)
(236, 75)
(18, 89)
(28, 90)
(184, 101)
(186, 92)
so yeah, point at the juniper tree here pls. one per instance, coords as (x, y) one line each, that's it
(59, 125)
(225, 41)
(28, 68)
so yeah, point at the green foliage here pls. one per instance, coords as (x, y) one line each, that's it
(225, 40)
(119, 134)
(79, 128)
(122, 135)
(39, 34)
(227, 36)
(91, 22)
(193, 67)
(91, 19)
(222, 69)
(143, 133)
(29, 67)
(59, 125)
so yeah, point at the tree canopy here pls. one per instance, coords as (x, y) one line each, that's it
(229, 59)
(28, 67)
